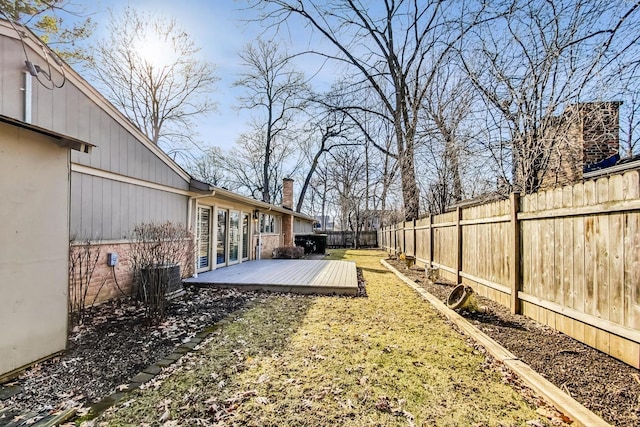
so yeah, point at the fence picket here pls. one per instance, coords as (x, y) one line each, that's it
(572, 254)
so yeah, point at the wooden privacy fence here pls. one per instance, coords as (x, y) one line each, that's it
(569, 257)
(347, 239)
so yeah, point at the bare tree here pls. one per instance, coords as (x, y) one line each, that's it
(275, 91)
(210, 167)
(445, 135)
(150, 69)
(393, 48)
(347, 187)
(244, 165)
(534, 62)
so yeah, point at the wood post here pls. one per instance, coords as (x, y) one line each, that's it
(515, 278)
(430, 242)
(459, 249)
(415, 241)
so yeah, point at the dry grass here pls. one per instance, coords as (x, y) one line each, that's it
(385, 360)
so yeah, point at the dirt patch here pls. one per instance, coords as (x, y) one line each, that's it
(113, 345)
(605, 385)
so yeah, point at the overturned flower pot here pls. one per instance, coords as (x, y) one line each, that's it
(463, 298)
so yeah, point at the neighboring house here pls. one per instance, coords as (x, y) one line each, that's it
(585, 138)
(99, 196)
(323, 223)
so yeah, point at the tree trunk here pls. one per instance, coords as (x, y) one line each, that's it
(410, 191)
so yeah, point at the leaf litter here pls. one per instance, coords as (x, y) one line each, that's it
(113, 345)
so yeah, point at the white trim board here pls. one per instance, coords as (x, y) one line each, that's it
(87, 170)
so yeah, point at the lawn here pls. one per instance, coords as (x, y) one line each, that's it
(287, 360)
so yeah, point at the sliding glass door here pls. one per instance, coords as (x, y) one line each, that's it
(245, 236)
(204, 238)
(234, 236)
(221, 244)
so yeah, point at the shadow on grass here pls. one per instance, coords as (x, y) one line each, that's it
(256, 331)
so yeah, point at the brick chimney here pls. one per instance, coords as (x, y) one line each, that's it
(600, 127)
(588, 140)
(287, 193)
(287, 219)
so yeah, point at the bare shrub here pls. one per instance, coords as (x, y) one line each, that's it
(289, 252)
(156, 250)
(83, 259)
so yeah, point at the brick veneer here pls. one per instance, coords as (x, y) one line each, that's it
(586, 133)
(103, 285)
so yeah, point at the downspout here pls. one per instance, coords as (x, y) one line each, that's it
(195, 233)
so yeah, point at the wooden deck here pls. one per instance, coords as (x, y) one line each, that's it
(283, 275)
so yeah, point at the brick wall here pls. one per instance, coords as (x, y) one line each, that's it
(584, 134)
(600, 129)
(269, 243)
(108, 282)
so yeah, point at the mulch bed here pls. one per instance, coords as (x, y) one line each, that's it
(114, 344)
(605, 385)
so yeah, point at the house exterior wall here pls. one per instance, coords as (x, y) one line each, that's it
(301, 226)
(34, 208)
(105, 209)
(115, 282)
(125, 180)
(269, 243)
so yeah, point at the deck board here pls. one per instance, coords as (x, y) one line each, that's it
(298, 276)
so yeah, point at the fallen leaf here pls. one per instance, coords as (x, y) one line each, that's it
(165, 416)
(262, 400)
(383, 404)
(545, 412)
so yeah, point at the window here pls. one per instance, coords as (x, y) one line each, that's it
(268, 224)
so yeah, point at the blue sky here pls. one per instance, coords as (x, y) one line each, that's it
(218, 27)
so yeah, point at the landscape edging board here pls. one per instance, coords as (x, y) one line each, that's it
(562, 401)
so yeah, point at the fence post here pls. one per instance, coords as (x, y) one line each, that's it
(515, 253)
(459, 250)
(395, 238)
(404, 237)
(430, 241)
(415, 242)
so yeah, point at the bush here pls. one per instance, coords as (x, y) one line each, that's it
(157, 250)
(288, 252)
(312, 243)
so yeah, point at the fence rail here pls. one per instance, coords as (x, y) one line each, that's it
(568, 257)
